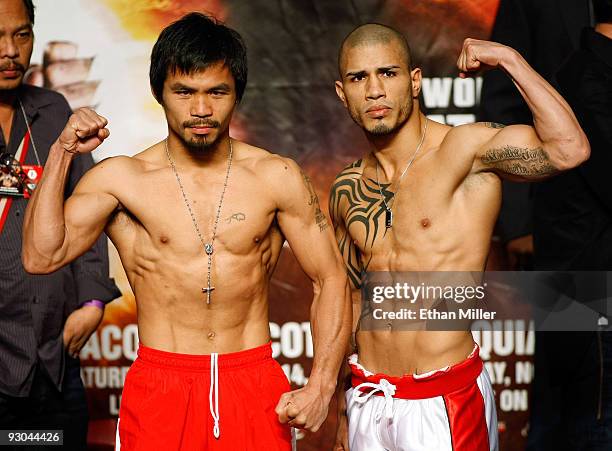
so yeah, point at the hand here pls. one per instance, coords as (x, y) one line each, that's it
(84, 131)
(519, 251)
(341, 443)
(304, 408)
(478, 55)
(79, 326)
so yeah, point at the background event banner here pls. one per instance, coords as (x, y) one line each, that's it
(96, 52)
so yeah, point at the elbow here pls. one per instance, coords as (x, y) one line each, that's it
(585, 151)
(575, 151)
(30, 264)
(581, 149)
(335, 278)
(35, 264)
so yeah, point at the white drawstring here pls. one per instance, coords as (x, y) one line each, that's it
(384, 386)
(214, 387)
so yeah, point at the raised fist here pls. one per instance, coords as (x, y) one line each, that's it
(84, 132)
(479, 55)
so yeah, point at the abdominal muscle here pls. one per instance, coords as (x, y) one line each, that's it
(172, 311)
(396, 352)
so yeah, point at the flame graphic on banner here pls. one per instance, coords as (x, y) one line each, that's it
(144, 19)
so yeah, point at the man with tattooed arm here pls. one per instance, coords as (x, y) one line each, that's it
(199, 220)
(425, 198)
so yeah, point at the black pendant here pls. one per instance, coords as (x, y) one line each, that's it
(388, 218)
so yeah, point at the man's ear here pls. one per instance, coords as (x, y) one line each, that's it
(340, 92)
(416, 78)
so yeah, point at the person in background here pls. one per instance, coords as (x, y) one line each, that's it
(573, 232)
(546, 32)
(44, 320)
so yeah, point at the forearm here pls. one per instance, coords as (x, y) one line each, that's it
(44, 231)
(331, 326)
(554, 121)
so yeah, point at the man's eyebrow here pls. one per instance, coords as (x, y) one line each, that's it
(378, 69)
(220, 86)
(355, 74)
(25, 26)
(386, 68)
(179, 85)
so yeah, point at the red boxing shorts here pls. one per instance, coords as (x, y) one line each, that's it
(186, 402)
(450, 409)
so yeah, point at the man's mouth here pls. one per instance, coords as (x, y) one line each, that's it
(11, 72)
(201, 128)
(378, 111)
(12, 68)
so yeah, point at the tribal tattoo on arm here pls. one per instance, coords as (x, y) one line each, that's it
(355, 202)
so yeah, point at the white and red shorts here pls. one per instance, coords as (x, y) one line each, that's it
(217, 402)
(450, 409)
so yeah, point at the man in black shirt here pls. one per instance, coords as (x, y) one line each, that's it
(573, 231)
(44, 320)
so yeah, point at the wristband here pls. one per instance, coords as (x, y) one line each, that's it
(95, 303)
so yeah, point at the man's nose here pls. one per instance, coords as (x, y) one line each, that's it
(8, 48)
(200, 106)
(375, 88)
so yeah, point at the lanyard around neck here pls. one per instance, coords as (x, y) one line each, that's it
(25, 118)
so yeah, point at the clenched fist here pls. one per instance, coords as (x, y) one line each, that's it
(84, 131)
(304, 408)
(480, 55)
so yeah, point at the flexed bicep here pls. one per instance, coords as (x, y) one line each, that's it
(516, 153)
(57, 232)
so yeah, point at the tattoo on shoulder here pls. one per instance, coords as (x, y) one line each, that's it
(494, 125)
(237, 217)
(313, 200)
(521, 161)
(362, 207)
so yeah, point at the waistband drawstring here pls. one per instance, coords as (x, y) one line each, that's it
(386, 387)
(214, 389)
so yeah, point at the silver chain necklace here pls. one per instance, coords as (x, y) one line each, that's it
(388, 211)
(208, 247)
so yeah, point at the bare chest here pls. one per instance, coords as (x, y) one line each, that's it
(433, 226)
(157, 213)
(414, 212)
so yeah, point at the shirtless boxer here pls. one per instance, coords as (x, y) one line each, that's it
(199, 220)
(441, 218)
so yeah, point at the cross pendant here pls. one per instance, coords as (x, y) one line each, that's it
(208, 290)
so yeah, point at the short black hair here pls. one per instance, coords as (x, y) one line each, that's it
(193, 43)
(29, 6)
(603, 11)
